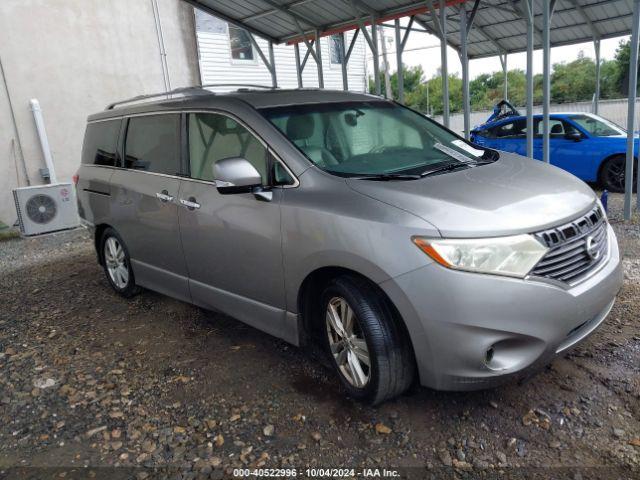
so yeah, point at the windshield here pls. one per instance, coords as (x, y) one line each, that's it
(596, 126)
(369, 138)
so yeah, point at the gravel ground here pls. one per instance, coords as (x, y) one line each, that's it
(90, 381)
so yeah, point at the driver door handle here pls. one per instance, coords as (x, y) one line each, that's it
(191, 203)
(164, 196)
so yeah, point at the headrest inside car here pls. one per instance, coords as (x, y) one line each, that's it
(300, 129)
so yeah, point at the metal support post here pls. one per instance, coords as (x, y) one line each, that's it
(505, 81)
(546, 78)
(631, 110)
(464, 60)
(399, 71)
(298, 66)
(343, 54)
(318, 58)
(443, 59)
(376, 58)
(272, 67)
(530, 31)
(596, 99)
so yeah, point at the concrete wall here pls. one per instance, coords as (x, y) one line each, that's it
(76, 56)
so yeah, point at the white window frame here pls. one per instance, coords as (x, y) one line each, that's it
(332, 64)
(241, 61)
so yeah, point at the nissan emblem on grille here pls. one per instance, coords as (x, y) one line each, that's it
(592, 247)
(575, 249)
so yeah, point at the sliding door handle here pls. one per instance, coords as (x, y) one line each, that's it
(164, 196)
(191, 203)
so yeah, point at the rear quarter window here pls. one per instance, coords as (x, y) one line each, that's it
(101, 143)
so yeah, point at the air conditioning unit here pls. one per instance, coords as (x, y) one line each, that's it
(46, 208)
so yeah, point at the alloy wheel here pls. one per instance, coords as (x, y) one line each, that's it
(116, 263)
(347, 343)
(615, 174)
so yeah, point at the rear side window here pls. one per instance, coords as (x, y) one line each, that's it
(515, 129)
(152, 144)
(100, 143)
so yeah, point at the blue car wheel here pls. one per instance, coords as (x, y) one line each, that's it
(612, 174)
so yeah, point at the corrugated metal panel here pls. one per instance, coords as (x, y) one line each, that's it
(499, 24)
(217, 65)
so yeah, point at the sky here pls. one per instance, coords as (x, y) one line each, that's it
(424, 49)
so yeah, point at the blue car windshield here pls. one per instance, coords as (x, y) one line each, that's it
(597, 126)
(369, 138)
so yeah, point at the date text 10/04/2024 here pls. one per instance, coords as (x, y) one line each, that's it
(316, 472)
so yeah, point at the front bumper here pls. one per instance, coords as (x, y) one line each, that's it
(472, 331)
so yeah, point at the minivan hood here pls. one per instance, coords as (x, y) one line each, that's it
(513, 195)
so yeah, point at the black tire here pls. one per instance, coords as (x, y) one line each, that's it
(392, 363)
(129, 288)
(612, 174)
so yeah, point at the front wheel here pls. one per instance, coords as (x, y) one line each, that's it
(612, 174)
(370, 350)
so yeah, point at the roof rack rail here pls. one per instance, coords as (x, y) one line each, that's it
(192, 89)
(242, 85)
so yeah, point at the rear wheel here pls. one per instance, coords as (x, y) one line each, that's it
(612, 174)
(117, 264)
(370, 351)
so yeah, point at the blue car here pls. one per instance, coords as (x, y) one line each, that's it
(586, 145)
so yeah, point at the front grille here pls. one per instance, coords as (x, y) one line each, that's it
(575, 249)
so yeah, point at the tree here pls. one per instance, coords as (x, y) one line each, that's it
(570, 82)
(413, 77)
(622, 58)
(573, 81)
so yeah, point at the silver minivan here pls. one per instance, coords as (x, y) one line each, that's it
(350, 223)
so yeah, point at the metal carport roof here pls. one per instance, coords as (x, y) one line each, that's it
(499, 27)
(475, 28)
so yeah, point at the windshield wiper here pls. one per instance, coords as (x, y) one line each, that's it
(445, 168)
(386, 177)
(454, 166)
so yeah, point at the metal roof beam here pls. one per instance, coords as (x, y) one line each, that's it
(519, 9)
(306, 41)
(403, 42)
(569, 27)
(435, 20)
(360, 21)
(481, 30)
(472, 16)
(413, 8)
(347, 55)
(594, 30)
(273, 11)
(586, 8)
(432, 31)
(232, 21)
(363, 7)
(553, 45)
(294, 15)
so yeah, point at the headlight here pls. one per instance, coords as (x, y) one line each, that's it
(513, 256)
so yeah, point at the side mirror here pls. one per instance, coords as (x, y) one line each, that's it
(236, 175)
(575, 136)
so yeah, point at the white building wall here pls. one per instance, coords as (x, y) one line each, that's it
(217, 65)
(75, 57)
